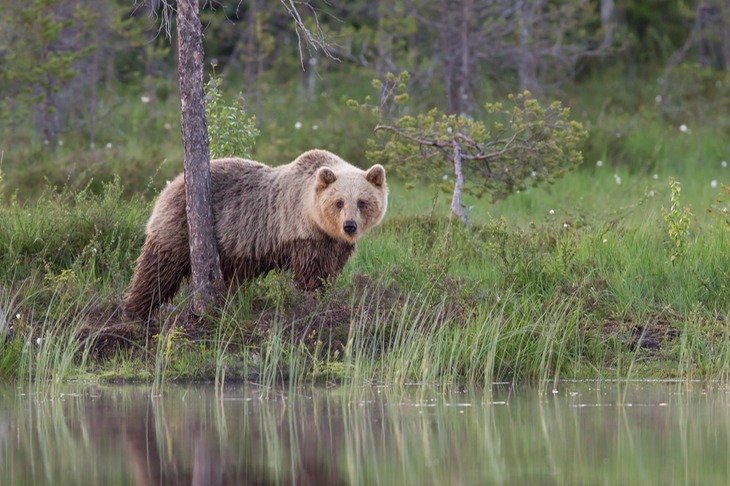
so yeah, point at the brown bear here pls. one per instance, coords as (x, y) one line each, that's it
(305, 216)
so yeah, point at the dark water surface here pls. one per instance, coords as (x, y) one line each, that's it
(575, 433)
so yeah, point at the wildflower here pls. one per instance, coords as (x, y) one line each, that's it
(605, 240)
(552, 211)
(109, 145)
(298, 125)
(315, 127)
(17, 316)
(145, 99)
(449, 129)
(533, 174)
(565, 225)
(684, 128)
(713, 183)
(723, 164)
(617, 178)
(38, 341)
(445, 177)
(167, 183)
(599, 163)
(651, 193)
(655, 176)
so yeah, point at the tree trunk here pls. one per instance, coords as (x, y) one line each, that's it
(204, 260)
(527, 63)
(465, 87)
(450, 43)
(607, 23)
(457, 208)
(93, 81)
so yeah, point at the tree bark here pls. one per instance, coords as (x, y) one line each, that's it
(450, 38)
(204, 260)
(607, 23)
(527, 67)
(456, 206)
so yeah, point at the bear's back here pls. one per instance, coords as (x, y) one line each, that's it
(307, 164)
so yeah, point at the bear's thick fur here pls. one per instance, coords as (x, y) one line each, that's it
(305, 216)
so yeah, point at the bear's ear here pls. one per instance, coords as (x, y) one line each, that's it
(325, 177)
(376, 175)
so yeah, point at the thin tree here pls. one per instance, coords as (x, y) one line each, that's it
(204, 260)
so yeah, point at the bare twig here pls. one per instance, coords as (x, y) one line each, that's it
(316, 40)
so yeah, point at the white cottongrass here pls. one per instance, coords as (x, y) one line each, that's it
(298, 125)
(713, 183)
(144, 99)
(599, 163)
(617, 178)
(684, 128)
(552, 211)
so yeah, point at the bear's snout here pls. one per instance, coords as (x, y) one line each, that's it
(350, 227)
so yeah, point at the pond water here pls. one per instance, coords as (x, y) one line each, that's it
(574, 433)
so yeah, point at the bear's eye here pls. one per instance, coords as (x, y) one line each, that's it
(361, 204)
(340, 204)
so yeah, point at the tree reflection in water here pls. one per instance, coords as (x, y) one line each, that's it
(586, 433)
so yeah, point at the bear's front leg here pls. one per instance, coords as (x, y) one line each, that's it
(314, 262)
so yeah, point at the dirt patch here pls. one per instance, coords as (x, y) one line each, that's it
(318, 319)
(652, 333)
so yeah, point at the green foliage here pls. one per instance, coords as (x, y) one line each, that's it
(41, 44)
(678, 221)
(519, 146)
(71, 234)
(232, 132)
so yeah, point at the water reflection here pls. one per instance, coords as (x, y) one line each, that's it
(585, 433)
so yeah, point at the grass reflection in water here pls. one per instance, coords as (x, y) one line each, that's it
(576, 433)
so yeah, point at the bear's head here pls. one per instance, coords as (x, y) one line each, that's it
(347, 203)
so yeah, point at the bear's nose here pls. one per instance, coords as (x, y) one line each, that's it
(350, 227)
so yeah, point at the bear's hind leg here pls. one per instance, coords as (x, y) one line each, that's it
(157, 277)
